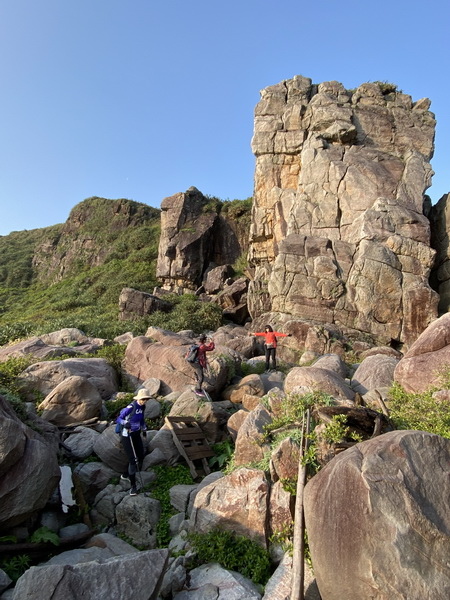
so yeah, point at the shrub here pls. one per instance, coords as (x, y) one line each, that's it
(417, 411)
(167, 477)
(233, 552)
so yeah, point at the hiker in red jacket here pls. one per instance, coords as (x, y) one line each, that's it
(201, 362)
(270, 344)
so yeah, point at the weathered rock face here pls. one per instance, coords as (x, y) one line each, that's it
(134, 303)
(338, 232)
(378, 521)
(78, 240)
(425, 362)
(194, 237)
(29, 469)
(440, 276)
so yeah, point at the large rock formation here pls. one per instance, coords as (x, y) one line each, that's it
(194, 238)
(440, 241)
(338, 229)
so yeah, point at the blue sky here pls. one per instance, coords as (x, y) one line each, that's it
(142, 99)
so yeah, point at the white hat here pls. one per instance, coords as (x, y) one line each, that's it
(142, 395)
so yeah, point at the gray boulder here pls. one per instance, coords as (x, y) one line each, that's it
(45, 376)
(29, 470)
(116, 577)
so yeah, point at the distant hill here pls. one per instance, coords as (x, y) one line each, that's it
(71, 274)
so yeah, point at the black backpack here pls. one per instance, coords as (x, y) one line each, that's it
(192, 354)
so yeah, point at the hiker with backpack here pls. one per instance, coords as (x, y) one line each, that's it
(131, 423)
(197, 358)
(270, 344)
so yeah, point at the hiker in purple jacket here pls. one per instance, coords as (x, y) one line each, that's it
(132, 419)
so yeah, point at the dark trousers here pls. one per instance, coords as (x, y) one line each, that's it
(271, 355)
(134, 449)
(199, 374)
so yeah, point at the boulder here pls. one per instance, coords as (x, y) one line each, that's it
(29, 471)
(216, 277)
(108, 448)
(113, 578)
(194, 238)
(315, 378)
(237, 502)
(34, 347)
(281, 507)
(133, 303)
(137, 518)
(332, 362)
(64, 336)
(213, 582)
(284, 460)
(81, 442)
(378, 522)
(235, 337)
(93, 477)
(250, 447)
(375, 371)
(73, 400)
(250, 384)
(235, 421)
(45, 376)
(145, 358)
(418, 370)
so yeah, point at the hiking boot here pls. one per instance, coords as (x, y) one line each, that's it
(133, 491)
(125, 478)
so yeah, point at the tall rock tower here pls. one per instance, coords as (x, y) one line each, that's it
(338, 229)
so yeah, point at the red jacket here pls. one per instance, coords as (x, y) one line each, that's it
(271, 337)
(201, 353)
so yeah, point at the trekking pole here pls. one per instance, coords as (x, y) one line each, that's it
(298, 558)
(137, 463)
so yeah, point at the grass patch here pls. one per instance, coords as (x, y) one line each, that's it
(233, 552)
(419, 411)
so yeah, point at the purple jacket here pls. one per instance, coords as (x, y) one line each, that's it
(136, 419)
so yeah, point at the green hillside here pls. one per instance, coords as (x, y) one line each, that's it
(71, 274)
(34, 299)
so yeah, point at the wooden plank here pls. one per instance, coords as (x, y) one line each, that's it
(190, 442)
(181, 419)
(185, 434)
(195, 454)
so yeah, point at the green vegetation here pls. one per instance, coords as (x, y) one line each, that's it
(115, 245)
(223, 454)
(43, 535)
(167, 477)
(16, 566)
(188, 312)
(293, 408)
(338, 430)
(419, 411)
(71, 274)
(233, 552)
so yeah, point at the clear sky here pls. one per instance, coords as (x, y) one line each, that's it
(142, 99)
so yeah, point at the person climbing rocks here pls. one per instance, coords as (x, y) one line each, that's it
(133, 423)
(200, 363)
(270, 344)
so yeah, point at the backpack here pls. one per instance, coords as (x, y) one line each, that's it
(119, 426)
(191, 354)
